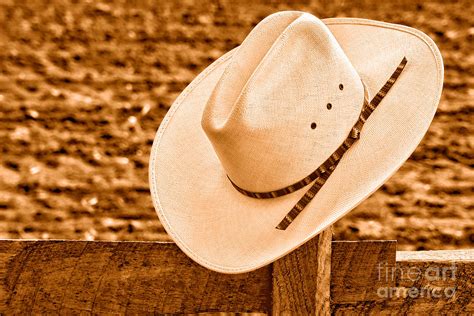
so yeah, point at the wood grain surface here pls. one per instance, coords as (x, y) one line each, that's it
(101, 277)
(420, 282)
(301, 280)
(355, 270)
(44, 277)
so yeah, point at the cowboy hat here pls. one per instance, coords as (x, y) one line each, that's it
(285, 134)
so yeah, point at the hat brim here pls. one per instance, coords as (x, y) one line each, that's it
(228, 232)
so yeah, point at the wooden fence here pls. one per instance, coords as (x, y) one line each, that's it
(321, 277)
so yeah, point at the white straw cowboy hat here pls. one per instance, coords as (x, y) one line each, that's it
(285, 134)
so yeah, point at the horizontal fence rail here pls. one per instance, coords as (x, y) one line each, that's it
(341, 277)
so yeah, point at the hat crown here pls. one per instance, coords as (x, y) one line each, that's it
(287, 99)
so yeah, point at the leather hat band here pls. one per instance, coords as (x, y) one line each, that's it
(322, 173)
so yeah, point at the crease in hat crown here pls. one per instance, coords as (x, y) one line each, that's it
(261, 114)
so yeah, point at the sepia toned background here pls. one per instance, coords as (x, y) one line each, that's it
(84, 86)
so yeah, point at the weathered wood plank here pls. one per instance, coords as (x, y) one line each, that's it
(79, 277)
(461, 255)
(44, 277)
(356, 268)
(301, 280)
(426, 282)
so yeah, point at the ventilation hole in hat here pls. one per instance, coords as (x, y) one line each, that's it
(313, 125)
(329, 106)
(341, 86)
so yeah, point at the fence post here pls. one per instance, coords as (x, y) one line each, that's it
(301, 280)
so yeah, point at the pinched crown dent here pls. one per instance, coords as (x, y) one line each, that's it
(278, 82)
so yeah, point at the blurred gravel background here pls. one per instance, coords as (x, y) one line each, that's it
(85, 84)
